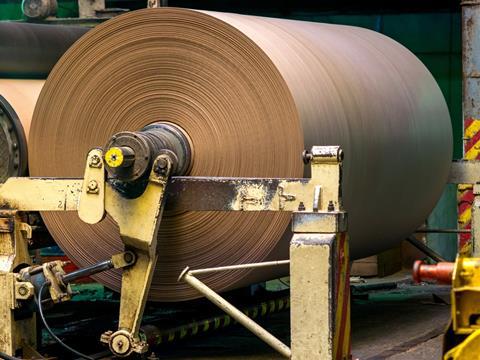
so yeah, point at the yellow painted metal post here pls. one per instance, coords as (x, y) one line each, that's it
(15, 334)
(320, 297)
(319, 267)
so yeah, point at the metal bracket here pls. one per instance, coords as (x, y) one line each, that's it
(53, 272)
(14, 333)
(316, 203)
(91, 206)
(319, 222)
(138, 220)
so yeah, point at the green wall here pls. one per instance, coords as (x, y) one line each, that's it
(11, 9)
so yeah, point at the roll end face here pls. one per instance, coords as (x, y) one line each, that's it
(13, 143)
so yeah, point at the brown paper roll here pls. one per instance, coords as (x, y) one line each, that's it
(17, 101)
(22, 96)
(252, 93)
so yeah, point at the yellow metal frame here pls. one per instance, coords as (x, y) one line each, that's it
(319, 243)
(462, 341)
(15, 335)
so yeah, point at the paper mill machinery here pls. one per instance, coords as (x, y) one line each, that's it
(222, 152)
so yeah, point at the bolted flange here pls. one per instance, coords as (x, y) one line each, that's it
(129, 155)
(122, 343)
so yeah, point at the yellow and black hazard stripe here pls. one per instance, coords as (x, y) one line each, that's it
(214, 323)
(342, 342)
(465, 191)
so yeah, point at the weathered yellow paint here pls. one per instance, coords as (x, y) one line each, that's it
(473, 152)
(473, 129)
(465, 217)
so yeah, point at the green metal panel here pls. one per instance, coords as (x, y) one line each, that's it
(11, 9)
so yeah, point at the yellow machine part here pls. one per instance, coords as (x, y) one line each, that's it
(468, 349)
(462, 341)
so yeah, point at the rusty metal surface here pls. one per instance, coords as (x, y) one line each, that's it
(464, 172)
(252, 93)
(471, 59)
(209, 194)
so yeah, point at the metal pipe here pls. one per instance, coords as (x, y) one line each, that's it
(471, 84)
(425, 249)
(471, 58)
(157, 336)
(87, 271)
(236, 314)
(443, 231)
(238, 267)
(441, 272)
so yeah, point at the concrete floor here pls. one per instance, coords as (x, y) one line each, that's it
(399, 324)
(405, 323)
(391, 319)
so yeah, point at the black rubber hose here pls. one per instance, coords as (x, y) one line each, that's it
(31, 50)
(50, 331)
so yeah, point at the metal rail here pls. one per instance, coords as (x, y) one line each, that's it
(425, 249)
(188, 276)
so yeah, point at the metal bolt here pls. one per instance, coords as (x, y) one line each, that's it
(128, 257)
(331, 207)
(340, 155)
(162, 163)
(161, 166)
(22, 290)
(307, 157)
(14, 146)
(120, 344)
(94, 161)
(301, 206)
(92, 185)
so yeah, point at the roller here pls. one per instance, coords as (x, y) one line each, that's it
(31, 50)
(251, 93)
(17, 101)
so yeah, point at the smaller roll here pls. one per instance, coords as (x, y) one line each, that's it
(30, 51)
(17, 102)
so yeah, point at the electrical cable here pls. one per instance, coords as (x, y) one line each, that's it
(50, 331)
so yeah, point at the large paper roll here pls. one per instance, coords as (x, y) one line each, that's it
(251, 93)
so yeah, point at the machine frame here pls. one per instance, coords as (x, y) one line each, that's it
(318, 250)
